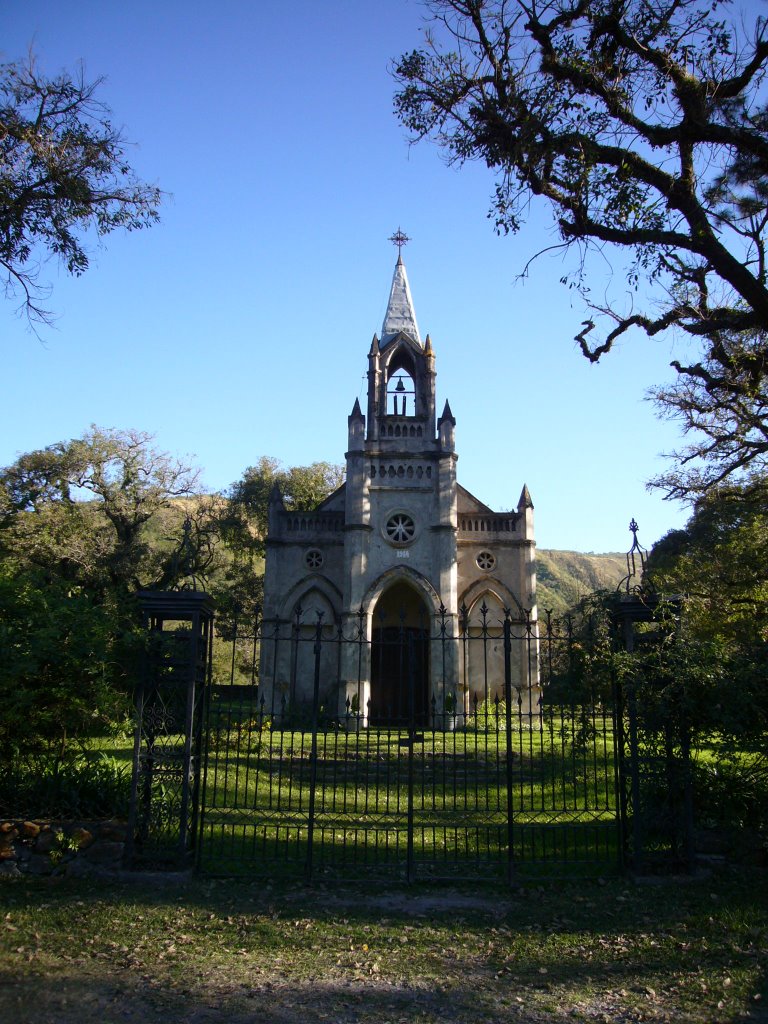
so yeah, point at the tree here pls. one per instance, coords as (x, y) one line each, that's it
(62, 674)
(645, 128)
(722, 403)
(301, 487)
(718, 560)
(81, 510)
(63, 173)
(84, 523)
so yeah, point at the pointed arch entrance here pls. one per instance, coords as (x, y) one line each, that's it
(400, 657)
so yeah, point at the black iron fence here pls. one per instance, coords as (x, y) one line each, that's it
(500, 749)
(412, 752)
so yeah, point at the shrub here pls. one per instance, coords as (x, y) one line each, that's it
(732, 793)
(74, 786)
(488, 716)
(62, 666)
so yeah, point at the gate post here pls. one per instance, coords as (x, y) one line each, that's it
(313, 752)
(508, 732)
(163, 819)
(635, 603)
(411, 679)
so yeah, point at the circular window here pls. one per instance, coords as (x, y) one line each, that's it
(485, 561)
(400, 528)
(313, 558)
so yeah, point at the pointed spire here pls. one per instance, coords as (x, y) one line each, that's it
(400, 315)
(428, 345)
(447, 414)
(374, 346)
(357, 412)
(525, 498)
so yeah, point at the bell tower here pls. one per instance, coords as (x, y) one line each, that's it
(400, 541)
(401, 371)
(400, 555)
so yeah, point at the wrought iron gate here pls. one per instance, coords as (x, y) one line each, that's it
(498, 781)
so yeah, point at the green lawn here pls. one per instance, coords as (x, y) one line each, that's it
(260, 786)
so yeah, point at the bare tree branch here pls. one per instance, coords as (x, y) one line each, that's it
(645, 129)
(63, 172)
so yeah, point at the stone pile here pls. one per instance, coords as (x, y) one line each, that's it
(62, 848)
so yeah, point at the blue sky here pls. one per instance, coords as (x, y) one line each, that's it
(240, 325)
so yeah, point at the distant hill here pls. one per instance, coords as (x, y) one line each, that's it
(564, 577)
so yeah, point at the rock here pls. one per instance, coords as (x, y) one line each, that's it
(30, 830)
(9, 869)
(114, 831)
(40, 865)
(105, 853)
(7, 835)
(78, 868)
(46, 841)
(81, 837)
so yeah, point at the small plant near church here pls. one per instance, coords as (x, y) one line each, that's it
(63, 845)
(248, 733)
(488, 716)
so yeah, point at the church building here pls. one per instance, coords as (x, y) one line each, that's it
(401, 551)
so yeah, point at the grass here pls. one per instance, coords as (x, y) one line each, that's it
(258, 785)
(209, 950)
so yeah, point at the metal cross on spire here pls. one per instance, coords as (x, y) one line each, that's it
(399, 239)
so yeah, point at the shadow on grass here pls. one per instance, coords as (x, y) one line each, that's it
(287, 953)
(88, 999)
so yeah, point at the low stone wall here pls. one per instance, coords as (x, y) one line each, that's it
(72, 848)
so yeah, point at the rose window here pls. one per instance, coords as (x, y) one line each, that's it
(313, 559)
(400, 528)
(485, 561)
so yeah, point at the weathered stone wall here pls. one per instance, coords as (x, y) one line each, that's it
(72, 848)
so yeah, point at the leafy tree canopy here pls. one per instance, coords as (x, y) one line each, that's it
(644, 126)
(63, 173)
(64, 658)
(719, 562)
(721, 403)
(79, 510)
(301, 487)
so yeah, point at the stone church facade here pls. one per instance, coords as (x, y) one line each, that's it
(400, 551)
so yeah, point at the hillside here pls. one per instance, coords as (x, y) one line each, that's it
(564, 577)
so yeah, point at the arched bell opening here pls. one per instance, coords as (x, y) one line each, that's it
(401, 394)
(400, 668)
(401, 375)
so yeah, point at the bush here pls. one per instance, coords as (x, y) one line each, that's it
(732, 794)
(488, 716)
(74, 786)
(63, 664)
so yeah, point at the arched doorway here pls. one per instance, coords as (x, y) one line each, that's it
(400, 658)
